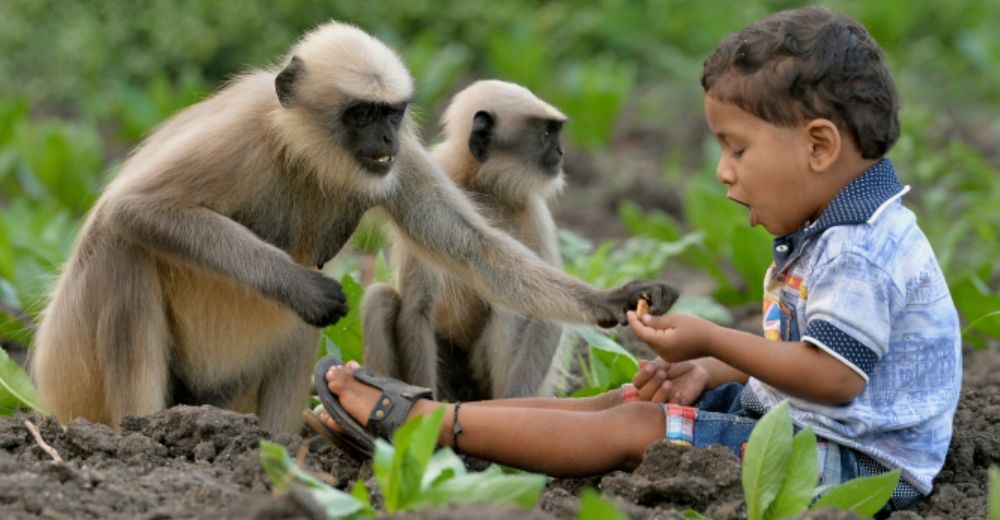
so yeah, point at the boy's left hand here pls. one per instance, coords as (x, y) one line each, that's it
(674, 337)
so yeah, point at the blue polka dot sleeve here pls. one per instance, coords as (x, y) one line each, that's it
(838, 343)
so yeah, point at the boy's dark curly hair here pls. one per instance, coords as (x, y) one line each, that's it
(806, 63)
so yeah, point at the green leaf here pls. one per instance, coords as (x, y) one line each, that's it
(694, 515)
(382, 466)
(399, 467)
(519, 54)
(972, 325)
(360, 492)
(751, 256)
(444, 464)
(416, 440)
(594, 92)
(6, 254)
(338, 504)
(765, 462)
(726, 236)
(589, 391)
(976, 303)
(803, 474)
(865, 495)
(994, 505)
(488, 486)
(595, 507)
(654, 224)
(609, 365)
(16, 390)
(347, 334)
(601, 341)
(614, 369)
(283, 472)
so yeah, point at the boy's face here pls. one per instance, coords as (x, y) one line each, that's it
(765, 166)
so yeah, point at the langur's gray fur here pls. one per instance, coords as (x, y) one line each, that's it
(194, 279)
(437, 328)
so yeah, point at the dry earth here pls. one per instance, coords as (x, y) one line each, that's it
(202, 462)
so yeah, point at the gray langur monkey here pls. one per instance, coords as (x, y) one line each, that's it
(194, 278)
(502, 146)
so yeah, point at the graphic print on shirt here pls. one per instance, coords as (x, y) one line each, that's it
(778, 317)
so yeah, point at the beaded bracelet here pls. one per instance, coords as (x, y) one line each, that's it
(629, 392)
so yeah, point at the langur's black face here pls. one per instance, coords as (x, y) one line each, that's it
(371, 133)
(549, 151)
(539, 141)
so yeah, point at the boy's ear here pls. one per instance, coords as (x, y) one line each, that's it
(825, 141)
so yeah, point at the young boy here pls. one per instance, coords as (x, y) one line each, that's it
(860, 333)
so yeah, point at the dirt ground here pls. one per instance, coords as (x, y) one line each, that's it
(202, 462)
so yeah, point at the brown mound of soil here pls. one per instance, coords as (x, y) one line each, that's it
(202, 462)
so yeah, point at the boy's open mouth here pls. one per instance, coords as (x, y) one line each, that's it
(750, 217)
(740, 202)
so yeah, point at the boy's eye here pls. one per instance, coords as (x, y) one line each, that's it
(738, 153)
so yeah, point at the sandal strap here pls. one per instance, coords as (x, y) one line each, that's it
(393, 406)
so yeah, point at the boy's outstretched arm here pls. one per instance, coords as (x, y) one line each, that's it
(797, 368)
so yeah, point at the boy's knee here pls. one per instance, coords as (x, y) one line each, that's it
(642, 424)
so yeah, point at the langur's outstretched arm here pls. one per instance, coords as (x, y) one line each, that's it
(443, 228)
(212, 241)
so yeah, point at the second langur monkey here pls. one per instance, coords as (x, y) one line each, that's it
(502, 145)
(194, 279)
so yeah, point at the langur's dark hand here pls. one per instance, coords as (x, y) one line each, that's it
(329, 303)
(659, 295)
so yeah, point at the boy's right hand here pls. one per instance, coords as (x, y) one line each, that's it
(660, 381)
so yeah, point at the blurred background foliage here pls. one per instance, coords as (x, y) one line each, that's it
(82, 81)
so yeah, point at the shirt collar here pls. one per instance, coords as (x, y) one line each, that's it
(863, 200)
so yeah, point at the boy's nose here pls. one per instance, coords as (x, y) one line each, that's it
(724, 173)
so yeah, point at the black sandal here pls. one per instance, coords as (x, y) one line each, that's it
(388, 414)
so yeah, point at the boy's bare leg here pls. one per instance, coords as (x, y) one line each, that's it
(595, 403)
(558, 442)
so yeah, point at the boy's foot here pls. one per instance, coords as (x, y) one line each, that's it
(357, 398)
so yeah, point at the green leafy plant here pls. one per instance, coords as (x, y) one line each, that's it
(611, 263)
(411, 476)
(595, 507)
(780, 473)
(16, 391)
(594, 92)
(728, 241)
(436, 65)
(607, 365)
(346, 337)
(284, 473)
(138, 109)
(994, 498)
(980, 306)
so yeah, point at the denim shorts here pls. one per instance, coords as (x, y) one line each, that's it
(718, 417)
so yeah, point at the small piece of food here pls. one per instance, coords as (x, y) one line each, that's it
(642, 308)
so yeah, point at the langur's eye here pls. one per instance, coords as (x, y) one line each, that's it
(360, 115)
(552, 128)
(396, 116)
